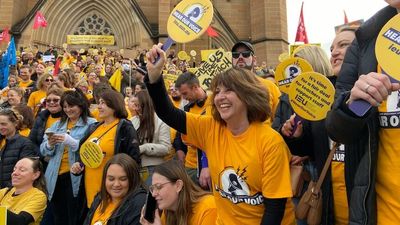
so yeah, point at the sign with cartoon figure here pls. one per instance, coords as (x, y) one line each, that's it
(311, 96)
(289, 69)
(218, 62)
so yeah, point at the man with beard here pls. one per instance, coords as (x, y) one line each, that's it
(243, 57)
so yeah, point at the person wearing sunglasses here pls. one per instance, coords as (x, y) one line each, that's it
(121, 196)
(13, 146)
(36, 98)
(179, 199)
(243, 57)
(61, 144)
(26, 198)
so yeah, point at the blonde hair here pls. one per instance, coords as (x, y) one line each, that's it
(317, 57)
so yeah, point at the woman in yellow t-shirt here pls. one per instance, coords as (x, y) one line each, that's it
(115, 134)
(15, 97)
(26, 199)
(122, 195)
(248, 160)
(27, 121)
(182, 201)
(37, 98)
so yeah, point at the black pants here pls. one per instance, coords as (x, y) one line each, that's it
(63, 203)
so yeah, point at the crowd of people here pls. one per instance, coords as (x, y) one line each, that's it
(217, 156)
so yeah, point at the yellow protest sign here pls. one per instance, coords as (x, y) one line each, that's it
(90, 39)
(311, 95)
(206, 53)
(387, 47)
(91, 154)
(169, 79)
(182, 55)
(218, 62)
(287, 70)
(3, 215)
(189, 19)
(193, 53)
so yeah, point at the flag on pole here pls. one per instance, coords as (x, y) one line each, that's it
(115, 80)
(5, 36)
(39, 21)
(346, 20)
(9, 58)
(212, 32)
(301, 34)
(57, 66)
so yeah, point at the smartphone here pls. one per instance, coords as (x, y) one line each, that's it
(150, 208)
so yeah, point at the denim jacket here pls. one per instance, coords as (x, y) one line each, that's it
(56, 153)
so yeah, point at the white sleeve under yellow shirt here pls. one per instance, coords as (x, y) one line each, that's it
(244, 168)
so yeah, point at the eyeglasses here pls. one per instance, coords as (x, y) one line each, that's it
(49, 80)
(157, 187)
(55, 100)
(245, 54)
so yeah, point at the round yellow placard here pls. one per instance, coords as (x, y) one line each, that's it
(289, 69)
(91, 154)
(193, 53)
(182, 55)
(387, 47)
(189, 20)
(311, 95)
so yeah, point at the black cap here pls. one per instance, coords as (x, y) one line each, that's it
(243, 43)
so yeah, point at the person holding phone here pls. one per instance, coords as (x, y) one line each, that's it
(179, 198)
(121, 196)
(61, 145)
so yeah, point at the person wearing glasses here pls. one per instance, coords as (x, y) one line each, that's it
(26, 198)
(121, 196)
(243, 57)
(179, 199)
(37, 98)
(61, 145)
(248, 160)
(13, 146)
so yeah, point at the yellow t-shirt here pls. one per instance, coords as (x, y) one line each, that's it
(106, 143)
(274, 94)
(35, 99)
(340, 205)
(388, 166)
(25, 132)
(51, 120)
(244, 168)
(191, 155)
(33, 201)
(64, 166)
(204, 212)
(25, 84)
(105, 216)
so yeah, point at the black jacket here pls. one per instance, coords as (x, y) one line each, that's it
(39, 127)
(360, 134)
(128, 213)
(126, 140)
(15, 149)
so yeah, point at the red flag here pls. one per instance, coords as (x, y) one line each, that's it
(346, 20)
(57, 66)
(211, 32)
(301, 35)
(5, 36)
(40, 21)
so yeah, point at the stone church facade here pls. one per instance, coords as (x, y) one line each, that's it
(138, 24)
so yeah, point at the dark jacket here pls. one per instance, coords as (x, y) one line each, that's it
(15, 149)
(360, 134)
(39, 127)
(128, 213)
(126, 140)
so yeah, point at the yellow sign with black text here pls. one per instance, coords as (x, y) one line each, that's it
(91, 154)
(90, 40)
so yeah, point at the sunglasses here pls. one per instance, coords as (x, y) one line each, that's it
(245, 54)
(55, 100)
(49, 80)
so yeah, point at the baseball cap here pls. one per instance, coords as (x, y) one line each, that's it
(243, 43)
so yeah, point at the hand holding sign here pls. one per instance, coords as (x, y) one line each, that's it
(188, 21)
(374, 88)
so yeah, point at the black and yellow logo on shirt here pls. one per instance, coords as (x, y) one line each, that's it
(389, 113)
